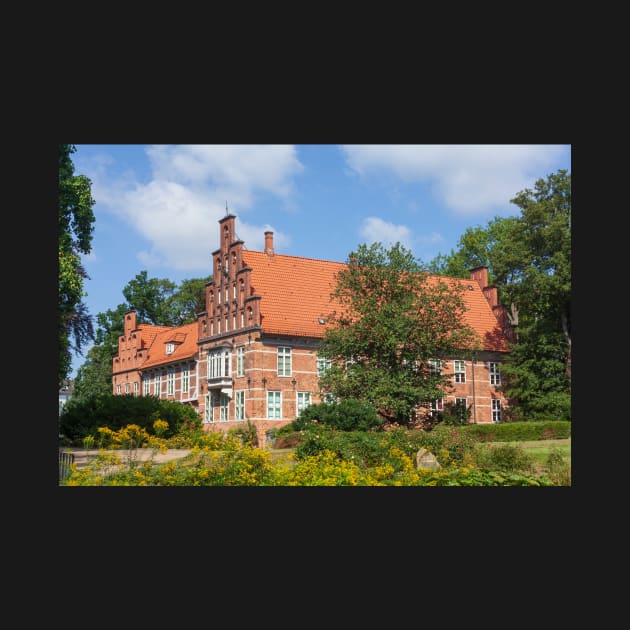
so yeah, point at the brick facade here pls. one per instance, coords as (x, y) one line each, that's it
(253, 352)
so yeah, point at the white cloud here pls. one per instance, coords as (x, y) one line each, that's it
(468, 179)
(178, 209)
(375, 230)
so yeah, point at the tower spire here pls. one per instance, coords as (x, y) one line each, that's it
(226, 208)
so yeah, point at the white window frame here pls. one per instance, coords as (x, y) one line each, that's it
(323, 365)
(185, 380)
(157, 385)
(118, 390)
(240, 361)
(495, 373)
(170, 382)
(239, 404)
(459, 371)
(136, 388)
(224, 407)
(209, 410)
(437, 405)
(219, 363)
(146, 386)
(461, 403)
(303, 401)
(170, 347)
(127, 388)
(274, 405)
(435, 367)
(284, 358)
(496, 410)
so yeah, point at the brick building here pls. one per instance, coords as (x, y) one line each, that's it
(252, 355)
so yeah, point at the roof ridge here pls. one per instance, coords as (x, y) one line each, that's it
(336, 262)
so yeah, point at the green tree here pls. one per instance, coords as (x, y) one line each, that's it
(188, 301)
(529, 260)
(393, 320)
(150, 298)
(76, 224)
(535, 265)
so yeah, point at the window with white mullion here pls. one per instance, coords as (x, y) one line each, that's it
(274, 405)
(185, 380)
(303, 401)
(284, 361)
(435, 367)
(460, 371)
(496, 410)
(239, 405)
(323, 365)
(495, 374)
(240, 361)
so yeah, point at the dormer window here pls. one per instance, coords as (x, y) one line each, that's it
(170, 346)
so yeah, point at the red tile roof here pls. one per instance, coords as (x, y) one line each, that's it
(296, 292)
(185, 338)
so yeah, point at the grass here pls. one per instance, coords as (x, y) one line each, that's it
(539, 449)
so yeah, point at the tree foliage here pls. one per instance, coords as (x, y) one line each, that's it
(76, 219)
(393, 319)
(529, 260)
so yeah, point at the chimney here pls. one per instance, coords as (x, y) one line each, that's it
(480, 274)
(269, 243)
(492, 295)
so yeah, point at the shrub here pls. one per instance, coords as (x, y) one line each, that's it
(520, 431)
(505, 458)
(349, 414)
(82, 417)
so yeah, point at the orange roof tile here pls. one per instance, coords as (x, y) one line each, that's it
(187, 348)
(296, 291)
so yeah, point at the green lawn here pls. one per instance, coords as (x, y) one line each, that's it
(539, 449)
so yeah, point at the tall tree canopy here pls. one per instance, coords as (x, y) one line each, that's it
(76, 224)
(529, 260)
(393, 320)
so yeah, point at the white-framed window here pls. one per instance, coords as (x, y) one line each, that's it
(242, 319)
(240, 361)
(170, 346)
(234, 294)
(460, 407)
(146, 385)
(224, 406)
(219, 363)
(118, 390)
(460, 371)
(157, 385)
(323, 365)
(208, 412)
(170, 382)
(185, 380)
(435, 367)
(239, 405)
(284, 361)
(496, 410)
(495, 374)
(437, 405)
(127, 388)
(136, 388)
(303, 401)
(274, 405)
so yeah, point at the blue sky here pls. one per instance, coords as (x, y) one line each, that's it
(157, 206)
